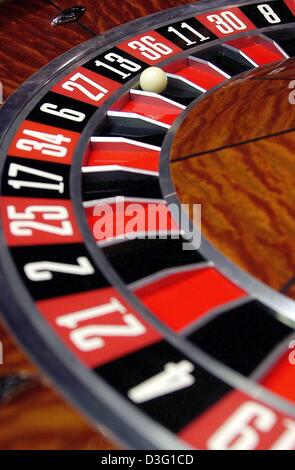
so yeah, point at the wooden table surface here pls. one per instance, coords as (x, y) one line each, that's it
(39, 418)
(234, 155)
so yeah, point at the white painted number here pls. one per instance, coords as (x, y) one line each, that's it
(73, 84)
(42, 270)
(124, 64)
(47, 144)
(242, 431)
(64, 113)
(188, 42)
(269, 14)
(15, 168)
(90, 337)
(174, 377)
(150, 49)
(23, 223)
(287, 439)
(227, 22)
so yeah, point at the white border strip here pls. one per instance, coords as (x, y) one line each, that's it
(107, 168)
(123, 140)
(156, 96)
(120, 114)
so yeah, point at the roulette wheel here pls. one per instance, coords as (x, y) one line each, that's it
(165, 338)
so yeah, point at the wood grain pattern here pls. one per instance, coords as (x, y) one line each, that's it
(244, 182)
(28, 41)
(40, 418)
(31, 20)
(237, 112)
(103, 15)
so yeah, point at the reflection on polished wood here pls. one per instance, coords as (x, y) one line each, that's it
(237, 112)
(105, 15)
(29, 41)
(234, 154)
(40, 418)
